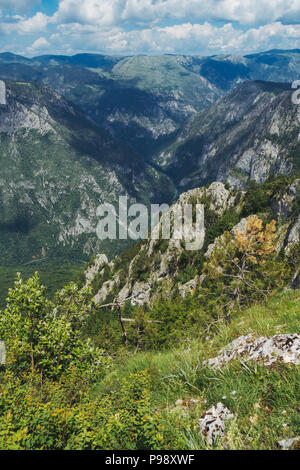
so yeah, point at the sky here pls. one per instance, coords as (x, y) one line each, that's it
(125, 27)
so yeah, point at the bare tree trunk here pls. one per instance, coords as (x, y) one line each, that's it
(31, 345)
(124, 335)
(32, 357)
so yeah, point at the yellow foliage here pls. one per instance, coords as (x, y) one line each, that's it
(256, 242)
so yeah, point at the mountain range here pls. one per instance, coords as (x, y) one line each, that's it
(144, 100)
(81, 130)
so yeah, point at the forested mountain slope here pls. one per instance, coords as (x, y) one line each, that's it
(249, 134)
(56, 169)
(144, 100)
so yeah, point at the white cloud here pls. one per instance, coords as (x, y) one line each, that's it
(117, 12)
(35, 24)
(39, 44)
(158, 26)
(187, 38)
(18, 5)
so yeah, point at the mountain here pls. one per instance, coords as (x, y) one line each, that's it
(56, 168)
(152, 268)
(145, 100)
(79, 60)
(115, 114)
(249, 134)
(142, 101)
(226, 71)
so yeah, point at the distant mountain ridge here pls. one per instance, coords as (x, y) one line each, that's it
(145, 100)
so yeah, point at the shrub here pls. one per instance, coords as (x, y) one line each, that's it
(42, 337)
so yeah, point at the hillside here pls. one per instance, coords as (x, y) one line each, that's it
(263, 401)
(249, 134)
(188, 381)
(152, 268)
(145, 100)
(56, 168)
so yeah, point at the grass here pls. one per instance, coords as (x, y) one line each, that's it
(265, 401)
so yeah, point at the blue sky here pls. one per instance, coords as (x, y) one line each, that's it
(203, 27)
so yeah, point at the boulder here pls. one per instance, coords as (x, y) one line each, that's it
(284, 348)
(213, 423)
(2, 353)
(292, 443)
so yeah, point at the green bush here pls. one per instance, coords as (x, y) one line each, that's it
(44, 337)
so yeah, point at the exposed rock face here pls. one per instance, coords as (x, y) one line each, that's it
(241, 227)
(2, 353)
(144, 99)
(213, 423)
(189, 287)
(158, 261)
(100, 261)
(267, 351)
(141, 293)
(283, 204)
(220, 199)
(2, 93)
(288, 225)
(163, 265)
(295, 284)
(101, 295)
(294, 233)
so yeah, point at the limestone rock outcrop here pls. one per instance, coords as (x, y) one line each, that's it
(266, 351)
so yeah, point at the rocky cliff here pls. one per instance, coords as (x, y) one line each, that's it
(164, 267)
(56, 168)
(249, 134)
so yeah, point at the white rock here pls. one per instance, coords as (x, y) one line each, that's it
(2, 93)
(286, 444)
(106, 288)
(92, 271)
(294, 235)
(2, 353)
(189, 287)
(285, 348)
(141, 293)
(213, 423)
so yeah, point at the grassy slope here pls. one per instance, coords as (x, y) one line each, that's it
(265, 400)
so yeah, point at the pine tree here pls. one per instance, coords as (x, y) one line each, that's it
(244, 266)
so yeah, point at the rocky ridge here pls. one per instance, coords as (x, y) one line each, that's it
(156, 268)
(248, 135)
